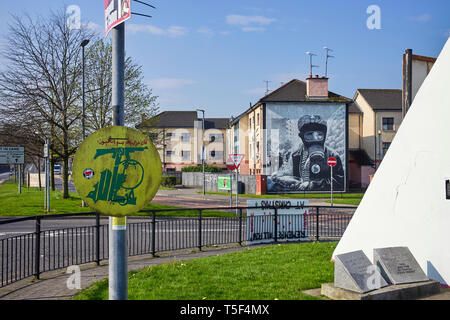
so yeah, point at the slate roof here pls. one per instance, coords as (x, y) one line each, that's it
(183, 119)
(383, 99)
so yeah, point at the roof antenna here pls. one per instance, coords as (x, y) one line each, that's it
(311, 66)
(326, 63)
(267, 86)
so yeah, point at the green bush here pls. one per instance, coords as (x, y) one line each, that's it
(199, 168)
(169, 181)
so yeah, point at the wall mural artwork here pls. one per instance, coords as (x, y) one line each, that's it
(300, 139)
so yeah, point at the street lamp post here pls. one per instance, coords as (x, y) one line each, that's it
(84, 43)
(203, 149)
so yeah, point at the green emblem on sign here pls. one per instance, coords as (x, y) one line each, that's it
(117, 171)
(113, 181)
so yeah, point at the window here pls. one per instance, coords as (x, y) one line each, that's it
(388, 123)
(185, 137)
(386, 146)
(215, 137)
(186, 155)
(169, 152)
(170, 134)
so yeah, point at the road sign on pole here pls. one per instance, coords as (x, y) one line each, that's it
(331, 162)
(236, 159)
(12, 155)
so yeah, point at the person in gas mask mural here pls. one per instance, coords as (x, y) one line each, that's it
(310, 170)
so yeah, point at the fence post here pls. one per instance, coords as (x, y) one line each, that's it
(97, 237)
(317, 223)
(276, 225)
(37, 248)
(240, 226)
(200, 229)
(153, 233)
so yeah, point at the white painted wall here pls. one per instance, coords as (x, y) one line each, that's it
(405, 204)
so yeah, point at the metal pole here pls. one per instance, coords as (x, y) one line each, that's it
(48, 175)
(231, 189)
(237, 189)
(203, 153)
(118, 255)
(331, 181)
(83, 116)
(20, 179)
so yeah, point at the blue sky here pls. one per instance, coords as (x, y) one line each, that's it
(215, 55)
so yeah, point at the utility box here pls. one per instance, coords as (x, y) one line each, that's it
(261, 184)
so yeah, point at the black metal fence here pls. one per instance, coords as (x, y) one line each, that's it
(46, 249)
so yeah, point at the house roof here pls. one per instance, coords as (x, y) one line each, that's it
(182, 119)
(295, 91)
(383, 99)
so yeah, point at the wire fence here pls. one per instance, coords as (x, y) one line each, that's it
(48, 248)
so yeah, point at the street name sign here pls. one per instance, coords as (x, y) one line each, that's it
(12, 155)
(117, 171)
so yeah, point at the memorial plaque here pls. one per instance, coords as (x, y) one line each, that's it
(398, 265)
(353, 271)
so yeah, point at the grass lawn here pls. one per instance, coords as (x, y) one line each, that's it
(354, 201)
(267, 273)
(31, 202)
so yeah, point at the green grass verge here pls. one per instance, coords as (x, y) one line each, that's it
(266, 273)
(31, 202)
(294, 195)
(345, 201)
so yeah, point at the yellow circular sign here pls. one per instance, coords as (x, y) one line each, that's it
(117, 171)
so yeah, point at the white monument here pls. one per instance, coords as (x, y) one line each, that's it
(406, 203)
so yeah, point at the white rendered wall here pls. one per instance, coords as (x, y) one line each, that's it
(405, 204)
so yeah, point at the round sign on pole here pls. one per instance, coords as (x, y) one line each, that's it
(117, 171)
(331, 161)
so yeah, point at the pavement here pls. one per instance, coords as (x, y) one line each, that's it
(54, 285)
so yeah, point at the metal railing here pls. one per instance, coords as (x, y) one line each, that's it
(45, 249)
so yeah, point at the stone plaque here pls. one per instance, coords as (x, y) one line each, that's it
(398, 265)
(353, 271)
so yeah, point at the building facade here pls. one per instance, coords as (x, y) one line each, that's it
(179, 137)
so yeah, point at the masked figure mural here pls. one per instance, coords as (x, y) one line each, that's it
(299, 149)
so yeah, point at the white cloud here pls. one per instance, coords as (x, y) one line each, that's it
(169, 83)
(421, 18)
(251, 29)
(94, 27)
(206, 31)
(238, 20)
(172, 31)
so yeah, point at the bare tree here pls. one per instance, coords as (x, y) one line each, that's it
(42, 79)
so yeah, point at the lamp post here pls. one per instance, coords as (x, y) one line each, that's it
(380, 146)
(203, 149)
(84, 43)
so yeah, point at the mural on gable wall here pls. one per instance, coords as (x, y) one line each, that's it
(300, 138)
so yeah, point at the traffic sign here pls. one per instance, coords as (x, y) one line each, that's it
(12, 155)
(117, 171)
(234, 160)
(331, 161)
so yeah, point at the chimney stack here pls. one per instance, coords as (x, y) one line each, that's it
(317, 88)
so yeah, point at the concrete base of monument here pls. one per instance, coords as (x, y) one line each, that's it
(409, 291)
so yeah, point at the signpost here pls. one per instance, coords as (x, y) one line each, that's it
(331, 162)
(15, 156)
(233, 163)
